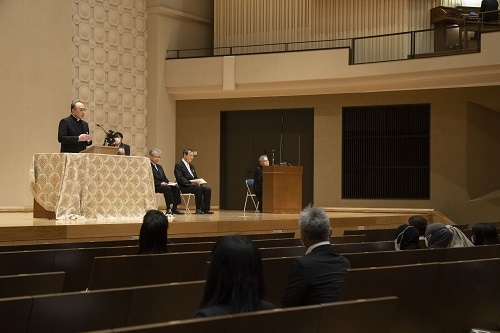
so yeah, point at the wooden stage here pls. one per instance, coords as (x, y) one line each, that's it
(22, 228)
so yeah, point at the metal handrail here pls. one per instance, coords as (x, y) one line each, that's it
(353, 44)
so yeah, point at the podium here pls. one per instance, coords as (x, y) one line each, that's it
(282, 192)
(107, 150)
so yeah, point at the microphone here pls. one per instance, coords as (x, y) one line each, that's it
(109, 139)
(101, 128)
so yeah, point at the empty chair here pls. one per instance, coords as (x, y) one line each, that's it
(251, 195)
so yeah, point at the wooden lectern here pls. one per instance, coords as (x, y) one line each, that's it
(282, 192)
(101, 150)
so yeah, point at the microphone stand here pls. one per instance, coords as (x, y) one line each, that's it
(109, 139)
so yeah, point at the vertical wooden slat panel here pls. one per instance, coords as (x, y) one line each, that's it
(253, 22)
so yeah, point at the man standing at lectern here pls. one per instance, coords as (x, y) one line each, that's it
(73, 132)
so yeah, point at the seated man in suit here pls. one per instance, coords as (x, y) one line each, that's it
(123, 148)
(317, 277)
(189, 182)
(170, 191)
(257, 179)
(489, 6)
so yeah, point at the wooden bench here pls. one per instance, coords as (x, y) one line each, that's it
(434, 297)
(31, 284)
(360, 316)
(136, 270)
(132, 242)
(374, 235)
(84, 311)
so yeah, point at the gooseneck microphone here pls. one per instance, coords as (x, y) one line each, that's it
(109, 140)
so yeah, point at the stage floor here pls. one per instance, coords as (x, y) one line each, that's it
(21, 227)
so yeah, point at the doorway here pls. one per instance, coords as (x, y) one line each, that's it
(285, 134)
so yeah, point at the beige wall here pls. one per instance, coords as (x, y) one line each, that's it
(172, 25)
(454, 168)
(36, 71)
(56, 50)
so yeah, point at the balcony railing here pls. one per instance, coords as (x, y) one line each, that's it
(388, 47)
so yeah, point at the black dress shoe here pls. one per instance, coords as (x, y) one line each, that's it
(207, 212)
(177, 212)
(169, 212)
(199, 211)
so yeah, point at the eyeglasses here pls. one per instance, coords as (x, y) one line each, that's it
(155, 156)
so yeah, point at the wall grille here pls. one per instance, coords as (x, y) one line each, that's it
(385, 152)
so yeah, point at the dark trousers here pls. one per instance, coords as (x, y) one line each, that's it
(202, 196)
(171, 193)
(259, 199)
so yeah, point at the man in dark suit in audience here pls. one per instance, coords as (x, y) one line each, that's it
(170, 191)
(317, 277)
(489, 6)
(188, 181)
(73, 131)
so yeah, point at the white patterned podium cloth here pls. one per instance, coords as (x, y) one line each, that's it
(92, 186)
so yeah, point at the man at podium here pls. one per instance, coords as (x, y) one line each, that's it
(73, 132)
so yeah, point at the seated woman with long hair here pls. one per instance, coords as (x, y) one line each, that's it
(484, 234)
(234, 282)
(153, 234)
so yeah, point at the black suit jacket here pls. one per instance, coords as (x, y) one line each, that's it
(489, 5)
(159, 175)
(317, 277)
(182, 175)
(125, 147)
(257, 179)
(69, 130)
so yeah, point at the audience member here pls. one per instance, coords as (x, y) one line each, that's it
(418, 222)
(170, 190)
(317, 277)
(188, 181)
(123, 148)
(234, 282)
(407, 235)
(257, 179)
(153, 234)
(73, 131)
(438, 235)
(407, 238)
(484, 234)
(489, 6)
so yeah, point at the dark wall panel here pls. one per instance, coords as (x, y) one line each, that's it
(245, 135)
